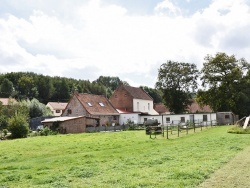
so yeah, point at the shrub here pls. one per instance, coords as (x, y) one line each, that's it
(5, 132)
(18, 126)
(239, 130)
(46, 131)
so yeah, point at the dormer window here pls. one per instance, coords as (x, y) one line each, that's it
(101, 104)
(89, 104)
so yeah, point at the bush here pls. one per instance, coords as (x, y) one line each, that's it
(5, 132)
(18, 126)
(239, 130)
(46, 131)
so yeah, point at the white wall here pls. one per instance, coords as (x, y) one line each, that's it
(54, 111)
(175, 118)
(146, 106)
(124, 118)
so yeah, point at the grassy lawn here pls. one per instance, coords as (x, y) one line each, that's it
(117, 159)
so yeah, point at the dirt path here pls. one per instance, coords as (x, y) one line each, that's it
(236, 173)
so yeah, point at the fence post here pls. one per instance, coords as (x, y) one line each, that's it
(167, 131)
(178, 128)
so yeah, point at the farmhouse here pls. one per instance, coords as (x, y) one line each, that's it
(97, 106)
(132, 99)
(57, 107)
(85, 110)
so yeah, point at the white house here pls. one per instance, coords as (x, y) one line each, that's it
(57, 107)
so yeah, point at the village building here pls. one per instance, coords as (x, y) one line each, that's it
(133, 100)
(57, 107)
(85, 110)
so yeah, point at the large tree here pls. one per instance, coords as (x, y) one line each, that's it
(6, 88)
(224, 84)
(177, 81)
(154, 93)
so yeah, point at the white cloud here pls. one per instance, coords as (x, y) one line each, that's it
(93, 39)
(168, 7)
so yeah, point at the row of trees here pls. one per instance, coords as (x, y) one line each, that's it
(225, 84)
(28, 85)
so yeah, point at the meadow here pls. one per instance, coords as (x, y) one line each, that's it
(117, 159)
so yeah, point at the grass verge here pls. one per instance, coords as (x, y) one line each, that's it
(117, 159)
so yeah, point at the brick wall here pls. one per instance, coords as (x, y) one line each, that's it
(122, 100)
(74, 126)
(76, 108)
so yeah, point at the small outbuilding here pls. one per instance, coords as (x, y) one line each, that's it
(69, 124)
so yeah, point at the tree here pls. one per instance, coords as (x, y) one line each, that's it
(110, 82)
(177, 81)
(18, 126)
(35, 108)
(6, 88)
(26, 85)
(154, 93)
(224, 84)
(45, 88)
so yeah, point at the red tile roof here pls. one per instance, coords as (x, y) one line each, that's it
(137, 92)
(58, 105)
(96, 104)
(195, 108)
(5, 101)
(161, 108)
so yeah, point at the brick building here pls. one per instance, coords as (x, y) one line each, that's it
(90, 105)
(133, 100)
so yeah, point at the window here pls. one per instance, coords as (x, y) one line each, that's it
(204, 117)
(145, 119)
(89, 104)
(58, 111)
(69, 111)
(114, 118)
(168, 119)
(138, 106)
(227, 116)
(182, 119)
(148, 106)
(101, 104)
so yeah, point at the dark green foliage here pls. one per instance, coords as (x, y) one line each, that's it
(239, 130)
(36, 109)
(177, 81)
(28, 85)
(154, 93)
(3, 122)
(226, 84)
(46, 132)
(6, 88)
(18, 126)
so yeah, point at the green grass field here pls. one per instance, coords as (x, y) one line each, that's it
(117, 159)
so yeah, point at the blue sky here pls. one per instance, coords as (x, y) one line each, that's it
(84, 39)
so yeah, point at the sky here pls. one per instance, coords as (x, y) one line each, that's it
(129, 39)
